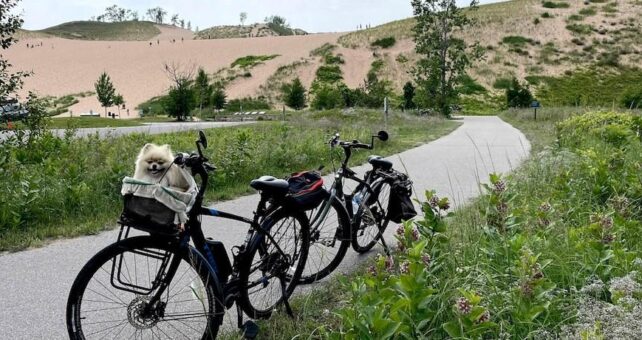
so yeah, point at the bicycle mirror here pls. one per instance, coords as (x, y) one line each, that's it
(202, 139)
(382, 135)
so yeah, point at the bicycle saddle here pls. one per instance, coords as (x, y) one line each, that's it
(379, 162)
(270, 184)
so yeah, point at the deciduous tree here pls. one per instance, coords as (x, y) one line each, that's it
(9, 24)
(105, 91)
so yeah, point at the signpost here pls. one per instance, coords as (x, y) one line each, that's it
(535, 104)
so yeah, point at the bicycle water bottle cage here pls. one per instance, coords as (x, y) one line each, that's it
(379, 162)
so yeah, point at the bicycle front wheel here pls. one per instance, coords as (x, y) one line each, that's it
(329, 240)
(109, 298)
(370, 221)
(268, 275)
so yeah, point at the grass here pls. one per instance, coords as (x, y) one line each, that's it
(64, 187)
(553, 4)
(386, 42)
(551, 263)
(251, 61)
(94, 30)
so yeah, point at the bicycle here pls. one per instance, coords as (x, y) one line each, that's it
(361, 217)
(159, 285)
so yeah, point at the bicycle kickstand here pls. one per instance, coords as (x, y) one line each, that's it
(249, 329)
(383, 243)
(286, 299)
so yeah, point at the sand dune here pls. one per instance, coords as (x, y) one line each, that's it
(64, 66)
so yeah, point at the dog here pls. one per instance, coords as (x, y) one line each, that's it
(154, 164)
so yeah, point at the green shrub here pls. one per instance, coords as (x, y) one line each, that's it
(575, 17)
(516, 40)
(518, 95)
(252, 60)
(552, 4)
(502, 83)
(333, 59)
(546, 15)
(248, 104)
(329, 74)
(293, 94)
(386, 42)
(470, 86)
(581, 29)
(323, 50)
(327, 97)
(632, 97)
(588, 11)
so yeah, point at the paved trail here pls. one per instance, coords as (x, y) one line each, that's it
(35, 283)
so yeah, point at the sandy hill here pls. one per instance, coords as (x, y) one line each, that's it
(108, 31)
(524, 38)
(247, 31)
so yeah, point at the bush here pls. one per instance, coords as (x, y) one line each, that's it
(293, 94)
(470, 86)
(580, 29)
(632, 98)
(327, 97)
(384, 42)
(329, 74)
(219, 98)
(588, 11)
(333, 59)
(516, 40)
(502, 83)
(323, 50)
(248, 104)
(546, 15)
(551, 4)
(252, 60)
(518, 95)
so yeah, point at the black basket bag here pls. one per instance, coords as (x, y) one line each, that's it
(149, 215)
(305, 190)
(400, 207)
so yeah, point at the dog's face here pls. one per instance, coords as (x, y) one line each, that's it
(154, 159)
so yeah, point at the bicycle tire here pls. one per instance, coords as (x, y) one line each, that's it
(260, 245)
(364, 244)
(211, 288)
(340, 235)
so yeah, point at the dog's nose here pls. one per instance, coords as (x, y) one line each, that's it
(154, 166)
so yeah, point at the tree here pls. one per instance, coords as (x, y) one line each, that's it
(408, 96)
(293, 94)
(243, 17)
(115, 14)
(118, 101)
(276, 20)
(174, 20)
(219, 98)
(105, 91)
(157, 14)
(9, 24)
(189, 26)
(132, 15)
(181, 99)
(182, 23)
(203, 88)
(445, 57)
(518, 95)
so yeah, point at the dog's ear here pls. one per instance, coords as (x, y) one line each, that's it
(147, 146)
(167, 148)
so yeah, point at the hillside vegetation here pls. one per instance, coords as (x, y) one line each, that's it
(247, 31)
(95, 30)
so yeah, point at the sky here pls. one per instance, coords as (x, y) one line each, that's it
(310, 15)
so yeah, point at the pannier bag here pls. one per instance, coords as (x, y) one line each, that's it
(400, 207)
(305, 190)
(155, 208)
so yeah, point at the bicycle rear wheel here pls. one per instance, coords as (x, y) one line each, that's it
(329, 241)
(370, 221)
(266, 276)
(109, 297)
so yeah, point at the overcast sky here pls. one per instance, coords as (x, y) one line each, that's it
(310, 15)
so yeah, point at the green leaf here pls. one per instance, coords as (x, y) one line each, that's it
(453, 329)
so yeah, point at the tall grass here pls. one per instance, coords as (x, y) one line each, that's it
(64, 186)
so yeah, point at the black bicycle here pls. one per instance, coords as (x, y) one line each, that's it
(160, 286)
(358, 219)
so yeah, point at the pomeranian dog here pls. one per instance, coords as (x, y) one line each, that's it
(155, 165)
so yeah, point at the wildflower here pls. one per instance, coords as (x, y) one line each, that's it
(372, 270)
(545, 207)
(405, 267)
(500, 186)
(434, 201)
(415, 234)
(502, 208)
(608, 238)
(444, 205)
(400, 246)
(426, 260)
(526, 288)
(485, 317)
(537, 271)
(625, 285)
(401, 231)
(544, 222)
(463, 306)
(606, 222)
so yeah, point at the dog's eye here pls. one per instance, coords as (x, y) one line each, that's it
(161, 162)
(149, 162)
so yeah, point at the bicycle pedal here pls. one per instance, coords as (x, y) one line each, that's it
(250, 330)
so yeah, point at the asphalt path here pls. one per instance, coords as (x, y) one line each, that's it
(35, 283)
